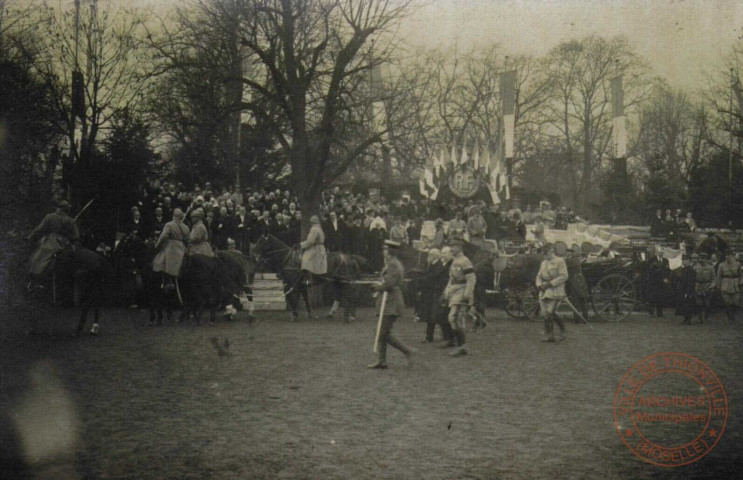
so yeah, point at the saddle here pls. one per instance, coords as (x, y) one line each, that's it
(293, 260)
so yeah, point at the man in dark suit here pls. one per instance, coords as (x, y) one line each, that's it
(356, 237)
(135, 223)
(656, 225)
(223, 228)
(156, 224)
(263, 227)
(295, 227)
(241, 227)
(334, 233)
(659, 278)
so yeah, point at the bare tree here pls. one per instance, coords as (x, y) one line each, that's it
(579, 72)
(313, 57)
(104, 48)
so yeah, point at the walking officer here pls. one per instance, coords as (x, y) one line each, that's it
(553, 273)
(391, 283)
(728, 274)
(705, 284)
(459, 294)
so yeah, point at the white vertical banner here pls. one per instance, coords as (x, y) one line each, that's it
(508, 133)
(464, 158)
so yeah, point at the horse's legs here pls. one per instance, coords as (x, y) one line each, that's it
(292, 300)
(349, 299)
(306, 296)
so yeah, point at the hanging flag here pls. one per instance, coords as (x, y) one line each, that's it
(453, 157)
(422, 185)
(464, 158)
(619, 130)
(428, 175)
(508, 97)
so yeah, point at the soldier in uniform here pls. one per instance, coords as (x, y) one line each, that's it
(553, 273)
(705, 284)
(459, 294)
(57, 232)
(172, 246)
(728, 274)
(476, 227)
(457, 227)
(198, 239)
(438, 237)
(391, 282)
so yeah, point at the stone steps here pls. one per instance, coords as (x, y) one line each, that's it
(268, 293)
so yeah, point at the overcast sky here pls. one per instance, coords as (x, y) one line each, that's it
(682, 39)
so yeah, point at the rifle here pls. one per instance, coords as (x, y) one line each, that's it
(83, 210)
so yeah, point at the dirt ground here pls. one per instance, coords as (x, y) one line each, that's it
(295, 401)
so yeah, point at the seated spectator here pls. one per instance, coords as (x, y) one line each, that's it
(691, 225)
(457, 227)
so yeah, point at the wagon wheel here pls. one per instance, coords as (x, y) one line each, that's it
(614, 297)
(523, 302)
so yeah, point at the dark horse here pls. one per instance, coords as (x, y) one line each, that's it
(223, 281)
(214, 283)
(74, 270)
(343, 269)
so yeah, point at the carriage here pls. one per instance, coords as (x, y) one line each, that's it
(613, 285)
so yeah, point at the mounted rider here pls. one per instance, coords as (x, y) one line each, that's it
(314, 256)
(58, 232)
(198, 238)
(171, 246)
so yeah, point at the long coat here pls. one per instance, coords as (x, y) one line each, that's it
(659, 274)
(392, 280)
(685, 291)
(172, 248)
(198, 241)
(57, 230)
(431, 288)
(314, 256)
(727, 277)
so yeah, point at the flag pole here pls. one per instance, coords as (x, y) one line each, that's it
(730, 150)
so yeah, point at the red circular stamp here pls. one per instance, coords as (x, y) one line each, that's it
(670, 409)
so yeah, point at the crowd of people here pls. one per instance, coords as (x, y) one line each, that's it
(198, 221)
(352, 223)
(672, 226)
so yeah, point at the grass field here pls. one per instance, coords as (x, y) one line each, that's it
(295, 401)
